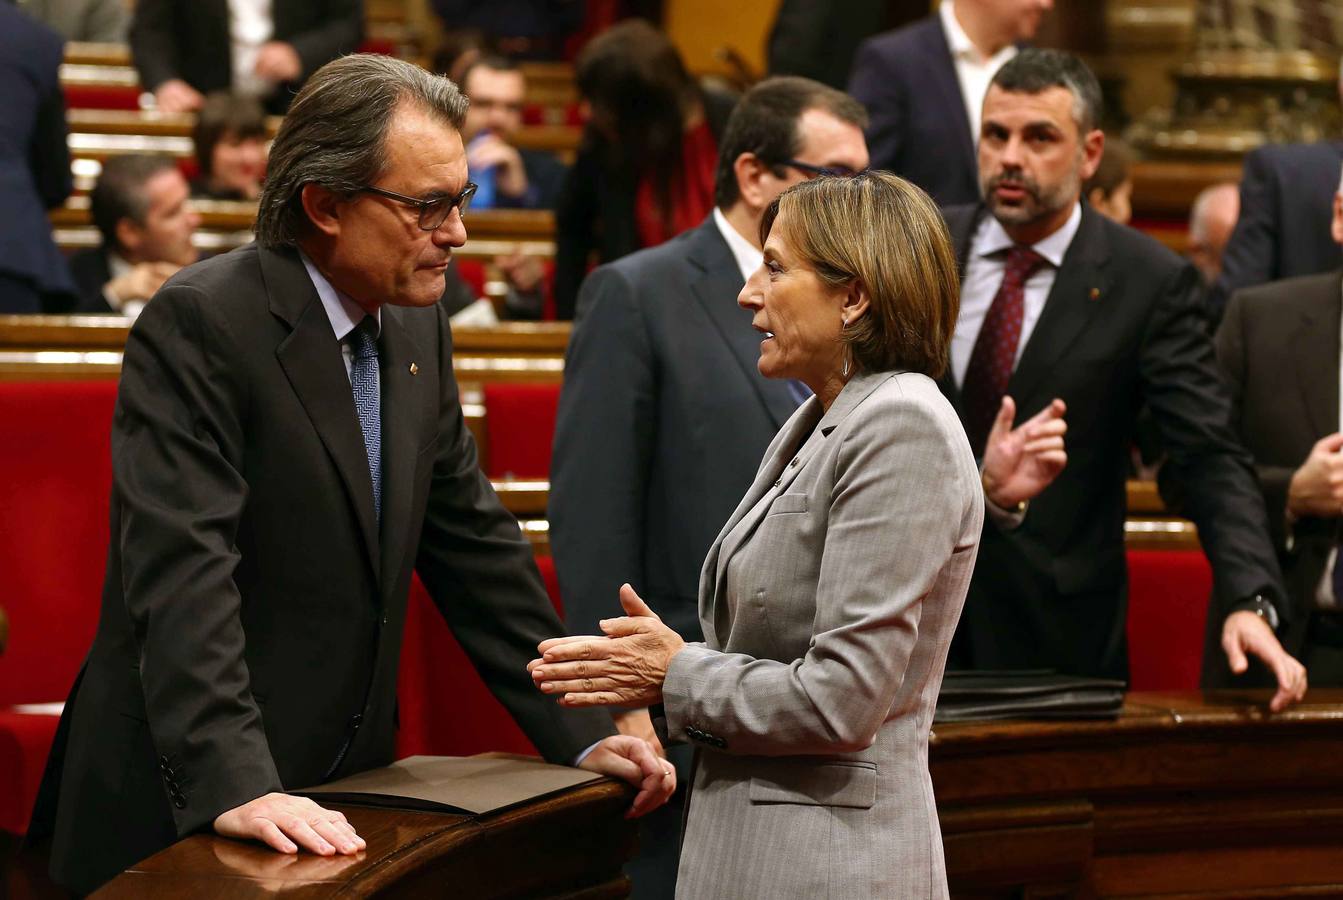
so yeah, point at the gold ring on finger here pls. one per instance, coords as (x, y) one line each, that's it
(587, 685)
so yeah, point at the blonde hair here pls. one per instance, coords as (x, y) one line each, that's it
(884, 232)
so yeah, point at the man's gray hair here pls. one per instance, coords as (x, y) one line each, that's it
(1034, 71)
(334, 134)
(1201, 211)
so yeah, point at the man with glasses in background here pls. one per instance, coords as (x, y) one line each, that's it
(288, 445)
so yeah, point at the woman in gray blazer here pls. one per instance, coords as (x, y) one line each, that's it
(829, 600)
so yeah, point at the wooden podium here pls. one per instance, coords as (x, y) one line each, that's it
(569, 845)
(1183, 795)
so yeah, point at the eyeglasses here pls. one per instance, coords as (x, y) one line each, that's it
(433, 213)
(817, 171)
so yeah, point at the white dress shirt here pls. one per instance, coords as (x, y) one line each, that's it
(984, 275)
(343, 312)
(116, 267)
(748, 257)
(251, 25)
(974, 70)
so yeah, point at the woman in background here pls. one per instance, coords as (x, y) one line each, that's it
(645, 169)
(830, 597)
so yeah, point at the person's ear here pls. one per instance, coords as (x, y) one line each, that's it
(130, 237)
(855, 303)
(751, 174)
(323, 208)
(1093, 148)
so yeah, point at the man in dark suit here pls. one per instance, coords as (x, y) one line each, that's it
(34, 166)
(664, 417)
(924, 84)
(1279, 346)
(1283, 229)
(1059, 302)
(185, 49)
(141, 208)
(288, 445)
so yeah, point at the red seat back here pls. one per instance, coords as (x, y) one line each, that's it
(520, 425)
(1168, 607)
(55, 479)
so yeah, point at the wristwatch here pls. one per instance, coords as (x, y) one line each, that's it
(1262, 607)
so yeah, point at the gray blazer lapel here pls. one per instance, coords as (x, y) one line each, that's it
(1316, 339)
(1081, 286)
(403, 420)
(784, 461)
(715, 287)
(311, 358)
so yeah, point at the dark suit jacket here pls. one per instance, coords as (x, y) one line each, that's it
(663, 420)
(1122, 327)
(595, 210)
(189, 39)
(1279, 347)
(919, 130)
(34, 161)
(1286, 205)
(252, 614)
(92, 272)
(819, 40)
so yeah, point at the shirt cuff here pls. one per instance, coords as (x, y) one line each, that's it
(578, 760)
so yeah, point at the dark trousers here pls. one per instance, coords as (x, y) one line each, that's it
(19, 296)
(1323, 654)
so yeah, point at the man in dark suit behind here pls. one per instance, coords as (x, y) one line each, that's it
(924, 84)
(288, 444)
(1059, 302)
(185, 49)
(34, 166)
(663, 417)
(141, 208)
(1279, 346)
(1285, 210)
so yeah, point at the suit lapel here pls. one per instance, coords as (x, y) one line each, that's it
(941, 69)
(961, 224)
(311, 358)
(1080, 287)
(403, 399)
(1316, 341)
(715, 287)
(784, 463)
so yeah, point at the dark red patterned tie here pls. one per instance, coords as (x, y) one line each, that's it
(995, 350)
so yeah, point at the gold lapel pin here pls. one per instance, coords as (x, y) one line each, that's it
(414, 369)
(1095, 293)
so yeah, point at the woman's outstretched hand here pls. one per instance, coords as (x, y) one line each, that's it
(625, 666)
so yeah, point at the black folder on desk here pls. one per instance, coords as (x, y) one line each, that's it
(968, 696)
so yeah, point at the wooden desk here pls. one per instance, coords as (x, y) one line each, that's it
(1183, 795)
(571, 845)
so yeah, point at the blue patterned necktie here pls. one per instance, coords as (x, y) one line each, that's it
(364, 382)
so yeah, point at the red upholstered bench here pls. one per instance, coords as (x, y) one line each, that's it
(55, 476)
(1168, 607)
(444, 707)
(520, 425)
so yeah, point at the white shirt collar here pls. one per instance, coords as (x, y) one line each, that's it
(343, 312)
(995, 239)
(743, 251)
(959, 43)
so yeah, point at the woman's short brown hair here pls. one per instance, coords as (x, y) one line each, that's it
(884, 232)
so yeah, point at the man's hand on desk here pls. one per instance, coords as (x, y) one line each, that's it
(1245, 632)
(286, 822)
(632, 759)
(1021, 462)
(1316, 489)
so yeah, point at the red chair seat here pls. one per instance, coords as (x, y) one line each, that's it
(1168, 607)
(57, 474)
(520, 425)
